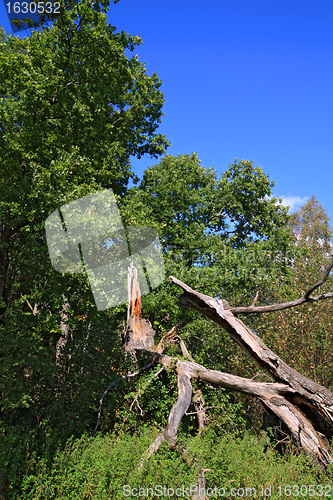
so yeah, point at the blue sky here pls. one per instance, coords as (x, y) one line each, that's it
(247, 80)
(244, 79)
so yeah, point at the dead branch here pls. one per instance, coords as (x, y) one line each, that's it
(183, 347)
(200, 488)
(293, 303)
(170, 335)
(200, 406)
(275, 396)
(323, 279)
(255, 299)
(253, 345)
(220, 379)
(34, 309)
(176, 414)
(301, 390)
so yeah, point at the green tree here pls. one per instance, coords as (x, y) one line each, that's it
(188, 200)
(217, 234)
(226, 237)
(75, 106)
(74, 109)
(310, 327)
(310, 225)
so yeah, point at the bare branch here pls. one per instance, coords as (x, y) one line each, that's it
(287, 305)
(267, 360)
(221, 379)
(272, 395)
(200, 406)
(183, 347)
(323, 279)
(34, 309)
(298, 389)
(255, 299)
(176, 414)
(170, 334)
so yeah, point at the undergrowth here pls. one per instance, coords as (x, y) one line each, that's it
(107, 467)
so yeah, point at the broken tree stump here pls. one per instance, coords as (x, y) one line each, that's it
(139, 332)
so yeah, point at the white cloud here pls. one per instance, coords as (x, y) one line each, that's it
(294, 202)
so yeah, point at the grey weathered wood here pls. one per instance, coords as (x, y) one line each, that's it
(293, 390)
(285, 396)
(176, 414)
(254, 346)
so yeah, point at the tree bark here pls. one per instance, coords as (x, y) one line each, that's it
(297, 392)
(304, 406)
(199, 405)
(177, 412)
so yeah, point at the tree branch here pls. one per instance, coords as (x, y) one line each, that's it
(176, 414)
(286, 305)
(183, 347)
(170, 334)
(295, 389)
(278, 397)
(252, 344)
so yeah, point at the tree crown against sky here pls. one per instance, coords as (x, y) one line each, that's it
(310, 224)
(185, 195)
(71, 91)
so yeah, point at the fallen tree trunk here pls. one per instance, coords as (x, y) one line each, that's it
(213, 309)
(305, 407)
(296, 393)
(275, 396)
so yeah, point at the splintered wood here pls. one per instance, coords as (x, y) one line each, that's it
(139, 332)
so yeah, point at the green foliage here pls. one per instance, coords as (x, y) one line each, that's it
(75, 106)
(310, 225)
(189, 204)
(310, 325)
(100, 468)
(70, 92)
(249, 462)
(219, 236)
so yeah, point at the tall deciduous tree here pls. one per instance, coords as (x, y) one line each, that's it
(188, 200)
(310, 225)
(75, 105)
(224, 234)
